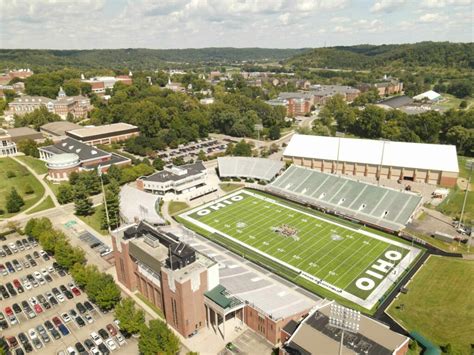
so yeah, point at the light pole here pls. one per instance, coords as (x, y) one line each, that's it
(258, 127)
(345, 319)
(470, 166)
(99, 171)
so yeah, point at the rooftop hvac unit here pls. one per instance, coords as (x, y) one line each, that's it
(151, 240)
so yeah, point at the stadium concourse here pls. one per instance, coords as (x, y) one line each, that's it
(245, 167)
(381, 207)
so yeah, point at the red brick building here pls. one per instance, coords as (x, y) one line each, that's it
(190, 293)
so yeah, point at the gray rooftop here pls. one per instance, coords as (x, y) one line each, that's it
(176, 173)
(84, 151)
(258, 287)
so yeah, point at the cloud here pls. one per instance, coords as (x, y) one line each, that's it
(429, 18)
(239, 23)
(387, 5)
(444, 3)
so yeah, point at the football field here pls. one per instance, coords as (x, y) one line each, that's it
(352, 263)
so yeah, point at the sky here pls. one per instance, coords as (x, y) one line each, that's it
(88, 24)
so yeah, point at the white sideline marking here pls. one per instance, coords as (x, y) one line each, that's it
(367, 303)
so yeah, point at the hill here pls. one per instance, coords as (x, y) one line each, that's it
(423, 54)
(140, 58)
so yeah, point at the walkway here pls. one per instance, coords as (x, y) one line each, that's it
(47, 190)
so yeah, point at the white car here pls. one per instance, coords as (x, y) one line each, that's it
(33, 301)
(94, 351)
(27, 285)
(13, 247)
(32, 334)
(44, 272)
(37, 275)
(111, 344)
(65, 317)
(60, 298)
(71, 351)
(51, 269)
(96, 338)
(120, 339)
(89, 318)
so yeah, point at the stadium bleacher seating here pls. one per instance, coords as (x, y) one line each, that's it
(246, 167)
(376, 205)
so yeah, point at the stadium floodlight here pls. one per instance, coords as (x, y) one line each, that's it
(345, 319)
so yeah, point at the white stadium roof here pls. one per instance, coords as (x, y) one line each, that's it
(365, 151)
(430, 95)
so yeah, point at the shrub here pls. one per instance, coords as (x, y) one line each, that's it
(29, 190)
(10, 174)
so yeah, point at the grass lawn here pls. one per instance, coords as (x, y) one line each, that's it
(94, 220)
(452, 205)
(176, 206)
(320, 254)
(451, 101)
(46, 204)
(440, 303)
(228, 186)
(37, 165)
(21, 181)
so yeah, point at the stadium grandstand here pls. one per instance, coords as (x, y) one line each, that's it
(370, 204)
(435, 164)
(244, 167)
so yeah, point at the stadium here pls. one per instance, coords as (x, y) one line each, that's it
(322, 253)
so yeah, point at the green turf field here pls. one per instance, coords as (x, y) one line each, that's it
(334, 256)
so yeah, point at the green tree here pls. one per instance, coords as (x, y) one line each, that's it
(112, 198)
(28, 147)
(14, 201)
(103, 291)
(67, 255)
(131, 318)
(82, 202)
(50, 238)
(157, 338)
(65, 194)
(4, 346)
(36, 119)
(115, 173)
(370, 122)
(462, 137)
(274, 132)
(83, 273)
(230, 149)
(158, 164)
(202, 156)
(35, 226)
(243, 149)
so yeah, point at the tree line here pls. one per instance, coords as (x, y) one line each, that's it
(452, 127)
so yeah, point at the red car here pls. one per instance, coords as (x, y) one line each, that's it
(111, 329)
(76, 291)
(38, 308)
(16, 283)
(8, 311)
(12, 342)
(57, 322)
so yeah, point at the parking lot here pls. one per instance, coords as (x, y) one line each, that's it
(42, 311)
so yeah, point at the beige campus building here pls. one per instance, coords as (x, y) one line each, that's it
(427, 163)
